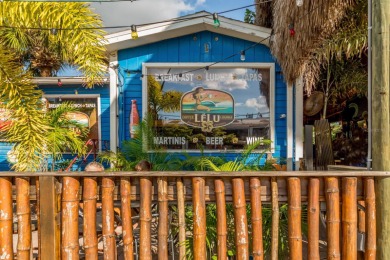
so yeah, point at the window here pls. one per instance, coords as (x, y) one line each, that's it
(223, 108)
(87, 113)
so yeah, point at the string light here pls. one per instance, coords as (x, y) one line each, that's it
(242, 56)
(59, 82)
(216, 20)
(76, 92)
(130, 26)
(134, 34)
(53, 31)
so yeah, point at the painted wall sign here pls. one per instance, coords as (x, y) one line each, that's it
(217, 109)
(207, 108)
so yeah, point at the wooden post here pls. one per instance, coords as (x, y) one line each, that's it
(127, 223)
(89, 207)
(275, 219)
(162, 218)
(294, 218)
(369, 193)
(23, 213)
(199, 208)
(6, 231)
(109, 246)
(70, 217)
(361, 226)
(380, 120)
(313, 215)
(38, 206)
(240, 219)
(49, 226)
(333, 217)
(221, 218)
(145, 215)
(257, 219)
(182, 219)
(349, 218)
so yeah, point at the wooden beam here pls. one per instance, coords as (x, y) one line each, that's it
(49, 218)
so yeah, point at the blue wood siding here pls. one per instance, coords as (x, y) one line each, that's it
(104, 93)
(187, 49)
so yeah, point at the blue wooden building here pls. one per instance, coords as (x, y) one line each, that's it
(193, 53)
(206, 88)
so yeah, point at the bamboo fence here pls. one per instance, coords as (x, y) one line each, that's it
(131, 196)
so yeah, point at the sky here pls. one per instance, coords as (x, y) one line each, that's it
(149, 11)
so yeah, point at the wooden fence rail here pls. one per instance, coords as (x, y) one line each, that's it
(142, 215)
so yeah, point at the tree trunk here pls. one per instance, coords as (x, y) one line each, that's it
(24, 218)
(381, 120)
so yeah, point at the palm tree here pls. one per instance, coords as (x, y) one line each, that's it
(65, 135)
(159, 100)
(64, 34)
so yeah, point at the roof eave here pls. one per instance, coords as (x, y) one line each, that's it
(151, 34)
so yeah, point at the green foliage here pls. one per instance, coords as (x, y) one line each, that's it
(65, 135)
(43, 51)
(250, 16)
(23, 102)
(159, 100)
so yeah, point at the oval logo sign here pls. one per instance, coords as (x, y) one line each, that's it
(207, 108)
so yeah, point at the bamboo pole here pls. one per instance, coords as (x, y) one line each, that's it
(70, 217)
(275, 219)
(349, 218)
(361, 226)
(23, 214)
(6, 241)
(369, 192)
(109, 246)
(145, 215)
(257, 219)
(127, 227)
(294, 218)
(240, 219)
(162, 218)
(333, 217)
(313, 215)
(37, 192)
(221, 218)
(199, 208)
(89, 205)
(89, 226)
(182, 219)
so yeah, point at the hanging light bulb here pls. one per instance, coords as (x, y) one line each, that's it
(60, 99)
(299, 2)
(216, 20)
(134, 34)
(59, 82)
(76, 92)
(53, 31)
(242, 56)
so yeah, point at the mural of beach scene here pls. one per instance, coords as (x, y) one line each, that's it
(247, 95)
